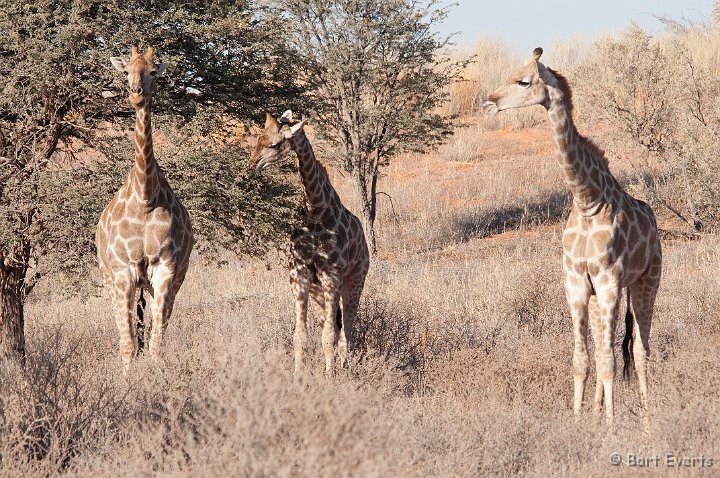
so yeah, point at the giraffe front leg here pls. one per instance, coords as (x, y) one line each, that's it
(604, 336)
(330, 329)
(165, 290)
(594, 318)
(300, 283)
(577, 294)
(123, 295)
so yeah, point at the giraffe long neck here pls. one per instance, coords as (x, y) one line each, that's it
(146, 180)
(321, 199)
(584, 171)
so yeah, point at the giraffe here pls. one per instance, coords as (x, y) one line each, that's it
(329, 257)
(144, 237)
(610, 241)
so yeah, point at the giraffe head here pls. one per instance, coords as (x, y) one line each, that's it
(525, 86)
(274, 141)
(141, 73)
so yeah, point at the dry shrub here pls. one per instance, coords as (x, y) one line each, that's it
(492, 62)
(55, 408)
(567, 55)
(462, 367)
(633, 82)
(395, 335)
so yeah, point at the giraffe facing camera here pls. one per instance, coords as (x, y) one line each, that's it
(144, 237)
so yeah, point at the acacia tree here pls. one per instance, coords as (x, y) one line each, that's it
(377, 71)
(64, 111)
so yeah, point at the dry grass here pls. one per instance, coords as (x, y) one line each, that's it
(462, 369)
(462, 366)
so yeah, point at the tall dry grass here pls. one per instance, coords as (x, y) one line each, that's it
(462, 365)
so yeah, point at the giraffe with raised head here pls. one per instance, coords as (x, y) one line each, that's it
(610, 242)
(329, 257)
(144, 237)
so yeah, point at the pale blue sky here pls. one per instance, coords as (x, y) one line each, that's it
(525, 24)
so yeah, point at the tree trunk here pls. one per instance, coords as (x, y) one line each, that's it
(368, 213)
(13, 268)
(369, 226)
(697, 224)
(372, 210)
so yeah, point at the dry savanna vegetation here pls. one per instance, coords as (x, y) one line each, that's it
(462, 365)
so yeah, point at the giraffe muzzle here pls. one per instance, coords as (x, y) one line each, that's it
(136, 98)
(490, 107)
(261, 166)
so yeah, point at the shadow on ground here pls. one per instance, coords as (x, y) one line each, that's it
(550, 210)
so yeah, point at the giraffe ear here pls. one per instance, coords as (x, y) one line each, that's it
(537, 53)
(286, 117)
(118, 62)
(161, 68)
(294, 129)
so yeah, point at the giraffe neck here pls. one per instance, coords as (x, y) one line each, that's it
(146, 173)
(321, 199)
(582, 164)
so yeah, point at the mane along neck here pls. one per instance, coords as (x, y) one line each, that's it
(584, 165)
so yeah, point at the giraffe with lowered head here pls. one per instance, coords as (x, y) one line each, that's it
(144, 237)
(329, 257)
(610, 242)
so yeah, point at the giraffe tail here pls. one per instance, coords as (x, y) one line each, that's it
(140, 324)
(627, 344)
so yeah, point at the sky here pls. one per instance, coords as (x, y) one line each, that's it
(525, 24)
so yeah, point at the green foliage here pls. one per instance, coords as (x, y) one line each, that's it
(63, 111)
(231, 207)
(377, 72)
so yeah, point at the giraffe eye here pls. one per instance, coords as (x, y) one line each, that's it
(274, 145)
(523, 83)
(153, 72)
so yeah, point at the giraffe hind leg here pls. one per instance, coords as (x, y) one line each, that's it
(140, 322)
(627, 344)
(643, 301)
